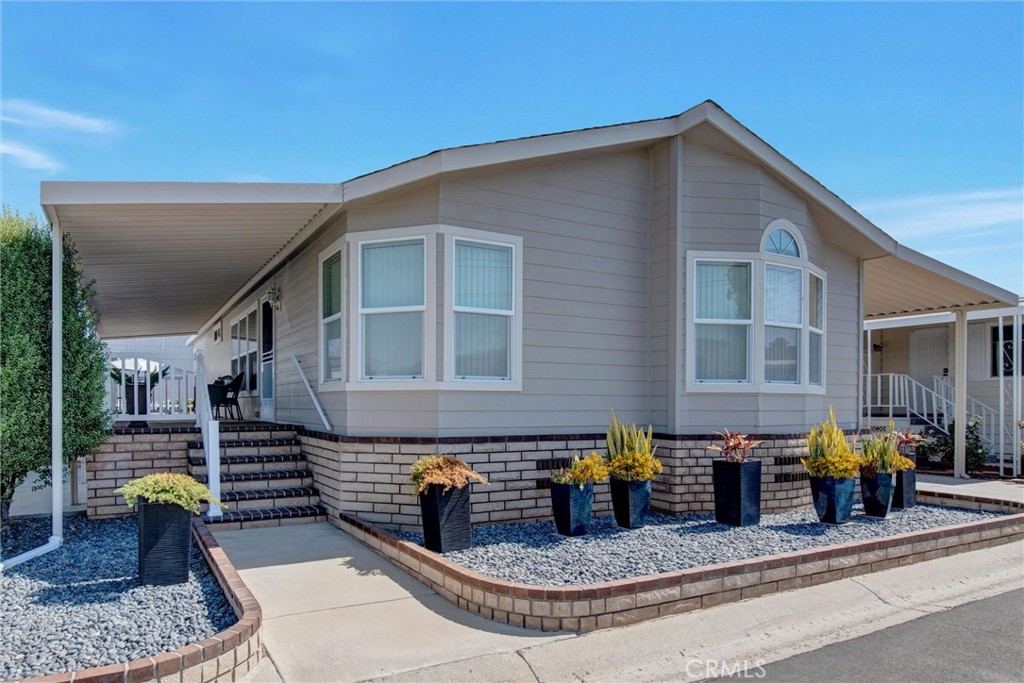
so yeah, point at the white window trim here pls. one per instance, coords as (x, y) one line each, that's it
(749, 323)
(515, 382)
(254, 308)
(756, 383)
(810, 328)
(798, 237)
(339, 245)
(356, 382)
(803, 362)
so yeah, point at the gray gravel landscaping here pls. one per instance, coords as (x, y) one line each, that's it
(534, 553)
(81, 606)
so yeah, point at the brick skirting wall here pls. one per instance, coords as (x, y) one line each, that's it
(226, 656)
(129, 454)
(369, 475)
(627, 601)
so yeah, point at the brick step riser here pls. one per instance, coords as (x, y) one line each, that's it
(268, 503)
(290, 449)
(263, 523)
(249, 467)
(260, 484)
(251, 436)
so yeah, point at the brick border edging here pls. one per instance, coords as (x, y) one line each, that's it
(626, 601)
(227, 655)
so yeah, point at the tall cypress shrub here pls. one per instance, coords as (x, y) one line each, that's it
(25, 338)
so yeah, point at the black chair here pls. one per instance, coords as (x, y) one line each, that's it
(226, 396)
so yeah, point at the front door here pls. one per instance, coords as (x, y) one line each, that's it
(929, 354)
(267, 361)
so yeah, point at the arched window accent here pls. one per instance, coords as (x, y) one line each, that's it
(781, 237)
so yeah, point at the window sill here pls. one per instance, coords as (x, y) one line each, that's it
(737, 388)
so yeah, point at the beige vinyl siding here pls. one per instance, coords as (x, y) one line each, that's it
(726, 205)
(584, 224)
(660, 299)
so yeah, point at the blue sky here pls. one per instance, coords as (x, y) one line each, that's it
(912, 113)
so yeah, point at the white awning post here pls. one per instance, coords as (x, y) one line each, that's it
(867, 379)
(1018, 373)
(57, 385)
(960, 394)
(1001, 374)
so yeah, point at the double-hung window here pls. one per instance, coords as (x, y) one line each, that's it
(815, 330)
(723, 320)
(783, 323)
(331, 320)
(483, 310)
(392, 304)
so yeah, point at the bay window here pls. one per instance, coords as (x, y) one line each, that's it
(757, 321)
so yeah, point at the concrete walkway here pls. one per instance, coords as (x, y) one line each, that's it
(335, 611)
(1000, 489)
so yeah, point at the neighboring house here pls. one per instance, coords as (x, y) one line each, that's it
(680, 270)
(913, 373)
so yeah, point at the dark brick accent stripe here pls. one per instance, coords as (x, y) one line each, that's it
(552, 463)
(265, 494)
(251, 443)
(198, 460)
(787, 477)
(783, 461)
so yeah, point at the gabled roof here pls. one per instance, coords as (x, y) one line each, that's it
(900, 288)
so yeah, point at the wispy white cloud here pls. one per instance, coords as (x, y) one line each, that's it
(26, 157)
(34, 115)
(964, 213)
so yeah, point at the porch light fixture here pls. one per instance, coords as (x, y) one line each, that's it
(274, 296)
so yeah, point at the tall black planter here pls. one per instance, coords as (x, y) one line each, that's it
(905, 495)
(876, 492)
(165, 543)
(833, 499)
(737, 492)
(570, 505)
(446, 521)
(136, 399)
(631, 501)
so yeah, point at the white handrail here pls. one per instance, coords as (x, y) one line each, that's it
(211, 433)
(316, 401)
(991, 430)
(903, 391)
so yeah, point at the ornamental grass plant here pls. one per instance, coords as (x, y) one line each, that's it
(829, 454)
(631, 452)
(442, 470)
(582, 471)
(166, 487)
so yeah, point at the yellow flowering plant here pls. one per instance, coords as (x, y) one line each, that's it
(631, 452)
(582, 471)
(829, 454)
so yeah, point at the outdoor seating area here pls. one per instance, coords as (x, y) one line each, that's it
(224, 397)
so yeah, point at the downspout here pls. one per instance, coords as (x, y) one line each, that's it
(57, 386)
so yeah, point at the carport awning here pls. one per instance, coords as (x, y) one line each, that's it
(166, 256)
(909, 283)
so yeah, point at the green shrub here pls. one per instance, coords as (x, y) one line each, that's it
(941, 447)
(178, 489)
(25, 334)
(442, 470)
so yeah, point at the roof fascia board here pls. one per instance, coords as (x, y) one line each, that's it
(786, 168)
(57, 193)
(325, 214)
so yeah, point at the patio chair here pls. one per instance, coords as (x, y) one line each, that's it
(226, 396)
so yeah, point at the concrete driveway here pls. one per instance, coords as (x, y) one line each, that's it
(335, 611)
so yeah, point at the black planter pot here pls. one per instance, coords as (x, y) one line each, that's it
(136, 399)
(737, 492)
(905, 495)
(446, 521)
(165, 543)
(833, 499)
(570, 504)
(631, 501)
(876, 492)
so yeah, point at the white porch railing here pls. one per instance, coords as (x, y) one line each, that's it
(891, 393)
(989, 429)
(211, 433)
(152, 388)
